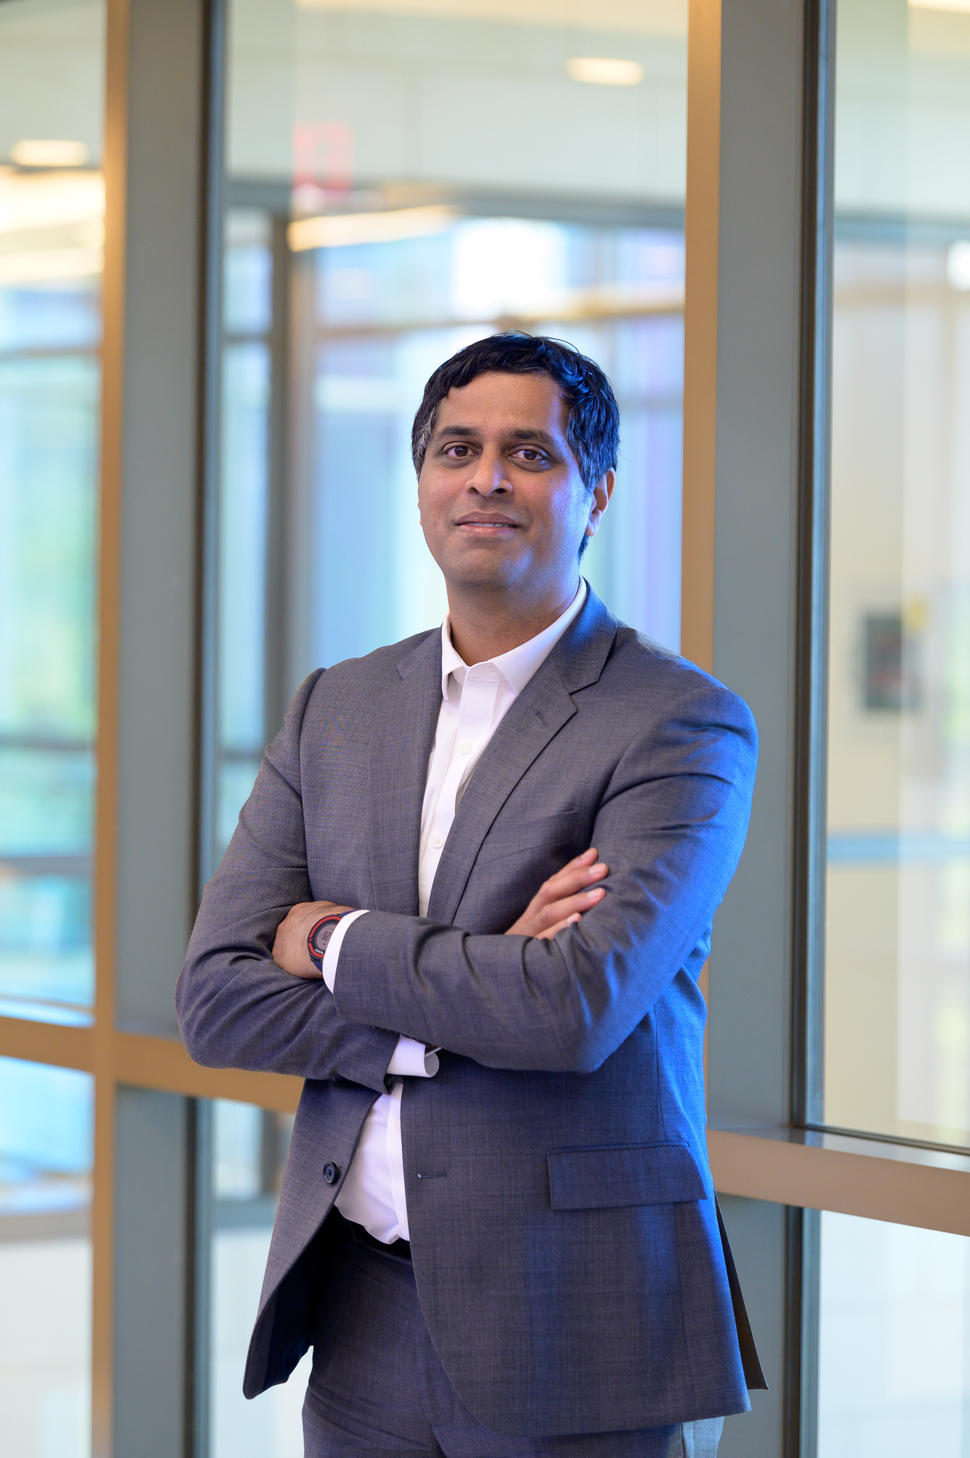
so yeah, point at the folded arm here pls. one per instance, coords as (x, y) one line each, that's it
(559, 902)
(671, 828)
(236, 1007)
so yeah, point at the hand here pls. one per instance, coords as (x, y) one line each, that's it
(561, 901)
(289, 948)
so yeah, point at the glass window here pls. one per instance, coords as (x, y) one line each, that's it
(897, 945)
(894, 1340)
(403, 180)
(51, 225)
(249, 1148)
(45, 1260)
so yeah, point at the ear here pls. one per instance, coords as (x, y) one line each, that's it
(602, 492)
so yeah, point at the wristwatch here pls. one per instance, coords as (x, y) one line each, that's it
(319, 936)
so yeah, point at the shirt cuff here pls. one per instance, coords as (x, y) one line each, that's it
(330, 956)
(411, 1059)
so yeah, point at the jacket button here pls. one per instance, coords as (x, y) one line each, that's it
(331, 1173)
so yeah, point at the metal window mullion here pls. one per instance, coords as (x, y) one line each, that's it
(742, 394)
(146, 800)
(200, 1146)
(276, 690)
(811, 711)
(106, 799)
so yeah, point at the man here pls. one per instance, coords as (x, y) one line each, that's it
(469, 900)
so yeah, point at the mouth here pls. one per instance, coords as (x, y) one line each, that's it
(480, 524)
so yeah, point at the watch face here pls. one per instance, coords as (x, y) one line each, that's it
(320, 936)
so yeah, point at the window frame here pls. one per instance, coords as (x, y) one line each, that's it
(758, 223)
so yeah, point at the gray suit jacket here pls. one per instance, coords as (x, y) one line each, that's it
(566, 1241)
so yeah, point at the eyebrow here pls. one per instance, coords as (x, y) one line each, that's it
(469, 432)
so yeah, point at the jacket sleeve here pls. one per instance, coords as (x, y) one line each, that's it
(235, 1007)
(671, 827)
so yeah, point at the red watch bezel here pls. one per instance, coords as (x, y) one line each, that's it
(317, 957)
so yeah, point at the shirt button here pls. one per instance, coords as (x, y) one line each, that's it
(465, 748)
(331, 1173)
(437, 841)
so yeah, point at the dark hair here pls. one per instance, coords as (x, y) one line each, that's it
(593, 422)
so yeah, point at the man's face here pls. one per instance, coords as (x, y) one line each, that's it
(503, 505)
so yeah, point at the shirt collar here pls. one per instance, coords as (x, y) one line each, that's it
(518, 665)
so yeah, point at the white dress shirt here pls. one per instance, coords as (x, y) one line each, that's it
(473, 702)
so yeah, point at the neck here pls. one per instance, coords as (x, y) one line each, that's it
(482, 631)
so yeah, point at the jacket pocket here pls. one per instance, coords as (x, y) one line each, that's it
(622, 1174)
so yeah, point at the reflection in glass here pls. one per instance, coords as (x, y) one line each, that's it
(365, 242)
(45, 1260)
(51, 233)
(897, 983)
(894, 1340)
(249, 1148)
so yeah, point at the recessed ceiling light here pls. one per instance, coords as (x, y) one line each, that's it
(341, 230)
(49, 200)
(48, 152)
(958, 265)
(605, 70)
(49, 265)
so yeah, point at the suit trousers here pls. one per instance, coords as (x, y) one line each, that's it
(377, 1387)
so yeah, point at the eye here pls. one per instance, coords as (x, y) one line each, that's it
(456, 450)
(531, 456)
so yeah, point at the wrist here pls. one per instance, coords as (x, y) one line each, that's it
(319, 935)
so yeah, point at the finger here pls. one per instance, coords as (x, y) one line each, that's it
(582, 875)
(550, 903)
(537, 920)
(566, 906)
(578, 863)
(559, 926)
(567, 882)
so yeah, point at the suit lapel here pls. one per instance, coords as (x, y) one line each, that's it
(535, 718)
(407, 713)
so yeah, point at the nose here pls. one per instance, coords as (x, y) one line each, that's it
(489, 474)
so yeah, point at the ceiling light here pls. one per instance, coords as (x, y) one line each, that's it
(49, 153)
(958, 266)
(50, 200)
(54, 265)
(605, 70)
(952, 5)
(341, 230)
